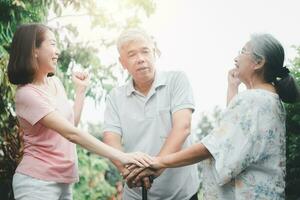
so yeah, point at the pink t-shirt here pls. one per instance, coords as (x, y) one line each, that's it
(47, 155)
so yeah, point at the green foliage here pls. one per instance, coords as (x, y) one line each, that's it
(208, 122)
(92, 184)
(98, 176)
(73, 53)
(293, 140)
(12, 13)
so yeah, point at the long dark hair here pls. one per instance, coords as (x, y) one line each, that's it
(265, 46)
(22, 64)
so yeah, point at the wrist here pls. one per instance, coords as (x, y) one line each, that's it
(233, 86)
(162, 163)
(80, 91)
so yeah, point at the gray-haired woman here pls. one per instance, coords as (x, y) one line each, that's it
(246, 151)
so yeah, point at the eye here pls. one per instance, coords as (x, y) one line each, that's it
(130, 55)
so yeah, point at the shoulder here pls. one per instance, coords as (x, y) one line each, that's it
(258, 95)
(173, 75)
(254, 98)
(26, 91)
(118, 91)
(174, 78)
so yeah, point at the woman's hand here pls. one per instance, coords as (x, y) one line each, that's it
(138, 158)
(233, 84)
(81, 81)
(233, 79)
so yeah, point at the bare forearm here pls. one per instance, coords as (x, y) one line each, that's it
(180, 131)
(94, 145)
(115, 143)
(78, 105)
(231, 92)
(66, 129)
(174, 142)
(188, 156)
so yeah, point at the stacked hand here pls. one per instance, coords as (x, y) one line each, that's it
(137, 158)
(137, 176)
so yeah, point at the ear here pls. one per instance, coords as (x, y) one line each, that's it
(259, 64)
(36, 53)
(122, 63)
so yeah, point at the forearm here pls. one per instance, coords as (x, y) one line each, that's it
(174, 141)
(78, 105)
(94, 145)
(181, 129)
(55, 122)
(115, 143)
(188, 156)
(231, 92)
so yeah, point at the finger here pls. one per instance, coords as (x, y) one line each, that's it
(143, 158)
(132, 185)
(139, 184)
(128, 171)
(129, 184)
(133, 174)
(140, 162)
(149, 159)
(145, 173)
(146, 183)
(125, 173)
(77, 75)
(236, 73)
(132, 167)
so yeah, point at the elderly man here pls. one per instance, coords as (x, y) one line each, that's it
(151, 113)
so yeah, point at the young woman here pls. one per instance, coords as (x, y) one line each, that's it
(49, 164)
(246, 151)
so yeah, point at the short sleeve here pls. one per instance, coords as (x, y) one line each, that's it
(181, 93)
(111, 117)
(32, 105)
(237, 141)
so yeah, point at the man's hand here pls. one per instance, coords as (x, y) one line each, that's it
(139, 176)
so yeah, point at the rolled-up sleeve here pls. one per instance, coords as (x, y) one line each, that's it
(111, 117)
(182, 93)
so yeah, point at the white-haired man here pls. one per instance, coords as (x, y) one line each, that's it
(151, 113)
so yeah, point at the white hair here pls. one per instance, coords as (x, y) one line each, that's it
(133, 34)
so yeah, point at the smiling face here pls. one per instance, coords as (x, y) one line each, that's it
(47, 54)
(246, 64)
(138, 58)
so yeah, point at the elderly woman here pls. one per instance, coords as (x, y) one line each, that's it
(246, 151)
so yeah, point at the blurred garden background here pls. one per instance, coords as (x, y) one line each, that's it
(86, 32)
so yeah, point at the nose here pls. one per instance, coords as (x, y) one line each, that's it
(57, 51)
(140, 58)
(236, 59)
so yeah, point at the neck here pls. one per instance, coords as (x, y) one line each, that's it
(40, 79)
(257, 83)
(144, 87)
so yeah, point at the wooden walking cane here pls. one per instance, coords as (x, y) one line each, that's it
(144, 193)
(144, 189)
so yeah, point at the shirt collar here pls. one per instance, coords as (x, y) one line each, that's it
(159, 80)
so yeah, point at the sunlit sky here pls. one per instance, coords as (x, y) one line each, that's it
(203, 37)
